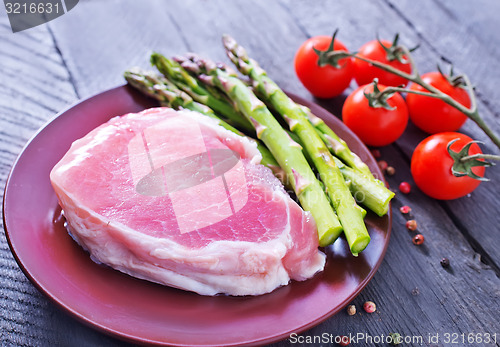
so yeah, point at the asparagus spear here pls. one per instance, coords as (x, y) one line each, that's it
(372, 193)
(377, 196)
(182, 79)
(366, 191)
(358, 190)
(350, 215)
(286, 151)
(169, 95)
(338, 146)
(166, 92)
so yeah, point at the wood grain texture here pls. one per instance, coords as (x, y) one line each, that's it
(45, 69)
(460, 36)
(35, 85)
(440, 32)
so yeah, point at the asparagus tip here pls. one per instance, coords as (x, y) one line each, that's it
(154, 58)
(228, 41)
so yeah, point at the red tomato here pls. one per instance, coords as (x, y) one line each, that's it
(364, 72)
(326, 81)
(431, 167)
(375, 126)
(433, 115)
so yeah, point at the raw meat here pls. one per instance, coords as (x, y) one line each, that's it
(171, 197)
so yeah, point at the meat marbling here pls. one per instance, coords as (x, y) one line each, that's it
(139, 196)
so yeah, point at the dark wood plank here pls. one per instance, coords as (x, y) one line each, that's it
(441, 33)
(94, 65)
(35, 85)
(171, 30)
(451, 229)
(100, 39)
(415, 296)
(21, 114)
(115, 40)
(464, 36)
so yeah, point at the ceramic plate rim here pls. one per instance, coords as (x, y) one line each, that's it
(120, 334)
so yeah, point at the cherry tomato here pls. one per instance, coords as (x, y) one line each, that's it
(375, 126)
(431, 167)
(364, 72)
(433, 115)
(322, 81)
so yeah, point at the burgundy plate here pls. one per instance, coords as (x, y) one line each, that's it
(140, 311)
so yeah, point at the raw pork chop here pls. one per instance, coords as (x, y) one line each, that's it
(171, 197)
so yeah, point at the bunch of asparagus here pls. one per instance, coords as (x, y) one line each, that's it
(323, 172)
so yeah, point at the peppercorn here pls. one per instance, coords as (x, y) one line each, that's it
(376, 153)
(395, 339)
(382, 164)
(418, 239)
(344, 341)
(369, 307)
(405, 187)
(390, 170)
(351, 310)
(445, 262)
(405, 209)
(411, 225)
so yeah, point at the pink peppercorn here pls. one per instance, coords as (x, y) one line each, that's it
(369, 307)
(418, 239)
(382, 164)
(411, 225)
(376, 153)
(405, 209)
(405, 187)
(344, 341)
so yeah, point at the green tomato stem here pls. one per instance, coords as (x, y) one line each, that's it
(480, 156)
(390, 89)
(415, 77)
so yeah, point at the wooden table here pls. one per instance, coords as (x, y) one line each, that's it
(45, 69)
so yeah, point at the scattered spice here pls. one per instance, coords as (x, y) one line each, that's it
(382, 164)
(418, 239)
(376, 153)
(369, 307)
(405, 187)
(411, 225)
(415, 292)
(390, 170)
(351, 310)
(395, 339)
(405, 209)
(445, 262)
(344, 341)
